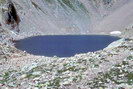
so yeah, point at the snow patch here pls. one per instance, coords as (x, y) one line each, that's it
(115, 33)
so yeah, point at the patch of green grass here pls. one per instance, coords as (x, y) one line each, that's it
(51, 84)
(72, 4)
(2, 1)
(37, 7)
(7, 77)
(130, 57)
(82, 7)
(49, 1)
(31, 76)
(119, 74)
(130, 78)
(67, 3)
(71, 68)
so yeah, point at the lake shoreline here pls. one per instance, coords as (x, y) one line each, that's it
(23, 63)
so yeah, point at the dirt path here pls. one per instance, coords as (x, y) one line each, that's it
(117, 21)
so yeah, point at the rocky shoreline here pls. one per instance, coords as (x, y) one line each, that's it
(109, 68)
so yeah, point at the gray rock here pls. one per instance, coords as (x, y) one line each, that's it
(115, 44)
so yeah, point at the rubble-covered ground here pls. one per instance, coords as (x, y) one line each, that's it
(109, 68)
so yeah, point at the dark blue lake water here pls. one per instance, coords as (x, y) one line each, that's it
(64, 46)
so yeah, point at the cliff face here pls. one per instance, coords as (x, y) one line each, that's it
(62, 16)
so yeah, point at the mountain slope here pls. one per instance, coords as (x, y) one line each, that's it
(118, 20)
(62, 16)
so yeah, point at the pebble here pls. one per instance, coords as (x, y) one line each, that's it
(37, 73)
